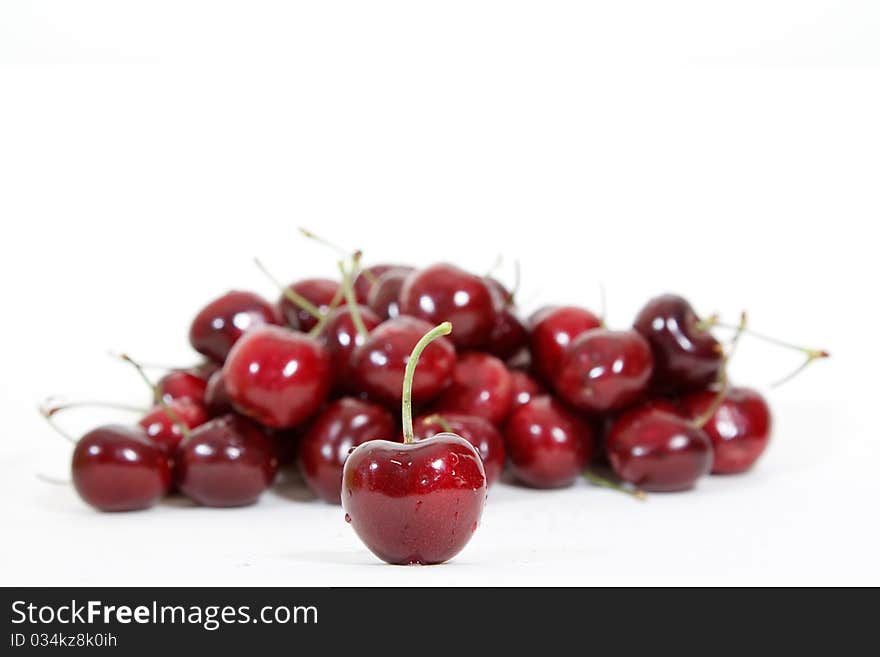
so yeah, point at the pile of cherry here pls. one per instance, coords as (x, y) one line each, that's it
(314, 378)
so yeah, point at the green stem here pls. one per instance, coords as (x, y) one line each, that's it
(348, 291)
(602, 482)
(184, 430)
(439, 419)
(334, 302)
(438, 331)
(320, 240)
(723, 379)
(291, 295)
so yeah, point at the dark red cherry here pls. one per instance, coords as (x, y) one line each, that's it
(686, 357)
(340, 337)
(117, 468)
(658, 451)
(225, 462)
(339, 428)
(552, 330)
(444, 292)
(318, 291)
(277, 376)
(217, 401)
(480, 386)
(548, 445)
(603, 371)
(182, 384)
(384, 297)
(524, 388)
(285, 443)
(367, 278)
(739, 428)
(415, 503)
(478, 431)
(223, 321)
(165, 431)
(378, 365)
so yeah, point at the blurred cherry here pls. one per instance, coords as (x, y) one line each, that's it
(222, 322)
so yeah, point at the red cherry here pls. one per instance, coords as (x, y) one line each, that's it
(657, 450)
(182, 384)
(367, 278)
(552, 330)
(508, 336)
(478, 431)
(739, 428)
(342, 426)
(165, 431)
(217, 401)
(686, 357)
(225, 462)
(223, 321)
(378, 365)
(548, 445)
(444, 292)
(117, 468)
(340, 337)
(277, 376)
(284, 443)
(604, 371)
(523, 388)
(384, 297)
(320, 292)
(480, 386)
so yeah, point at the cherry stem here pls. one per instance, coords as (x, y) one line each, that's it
(723, 378)
(330, 245)
(334, 302)
(438, 331)
(439, 419)
(157, 397)
(499, 259)
(46, 479)
(602, 482)
(48, 416)
(53, 408)
(291, 295)
(348, 292)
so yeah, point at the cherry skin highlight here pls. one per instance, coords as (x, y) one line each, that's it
(223, 321)
(547, 444)
(739, 428)
(480, 386)
(445, 292)
(378, 365)
(340, 337)
(277, 376)
(226, 462)
(552, 330)
(117, 468)
(182, 384)
(686, 357)
(524, 388)
(318, 291)
(603, 371)
(658, 451)
(164, 431)
(339, 428)
(478, 431)
(384, 297)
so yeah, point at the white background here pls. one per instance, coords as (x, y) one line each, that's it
(729, 151)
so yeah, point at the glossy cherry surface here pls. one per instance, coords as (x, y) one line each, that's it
(478, 431)
(480, 386)
(739, 428)
(603, 370)
(277, 376)
(225, 462)
(318, 291)
(223, 321)
(341, 426)
(166, 432)
(182, 384)
(547, 444)
(686, 357)
(444, 292)
(552, 329)
(378, 365)
(657, 450)
(367, 278)
(523, 387)
(340, 337)
(415, 503)
(117, 468)
(217, 401)
(384, 297)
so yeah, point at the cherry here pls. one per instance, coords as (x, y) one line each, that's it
(218, 325)
(320, 293)
(480, 386)
(657, 450)
(739, 428)
(420, 501)
(225, 462)
(603, 370)
(508, 336)
(277, 376)
(284, 443)
(369, 277)
(340, 336)
(217, 401)
(384, 297)
(552, 330)
(182, 384)
(165, 424)
(341, 426)
(117, 468)
(444, 292)
(478, 431)
(686, 356)
(379, 364)
(547, 444)
(523, 388)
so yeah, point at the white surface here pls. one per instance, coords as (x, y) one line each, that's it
(148, 150)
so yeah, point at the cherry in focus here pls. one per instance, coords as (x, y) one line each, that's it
(478, 431)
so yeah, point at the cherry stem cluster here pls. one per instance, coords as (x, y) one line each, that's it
(723, 378)
(438, 331)
(348, 291)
